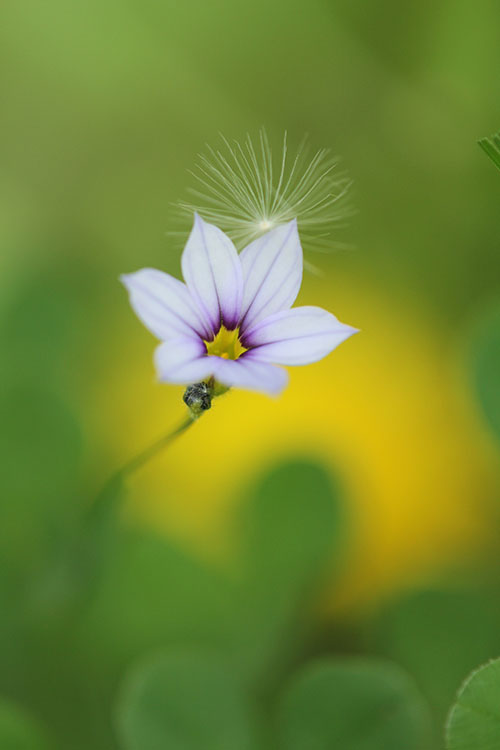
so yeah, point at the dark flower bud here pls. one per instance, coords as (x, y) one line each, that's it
(198, 398)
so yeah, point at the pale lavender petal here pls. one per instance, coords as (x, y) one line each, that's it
(212, 270)
(183, 361)
(272, 272)
(296, 337)
(164, 304)
(252, 375)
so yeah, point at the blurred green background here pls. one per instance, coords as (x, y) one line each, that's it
(289, 569)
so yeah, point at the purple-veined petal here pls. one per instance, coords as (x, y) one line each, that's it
(212, 270)
(163, 304)
(250, 374)
(182, 360)
(296, 337)
(272, 273)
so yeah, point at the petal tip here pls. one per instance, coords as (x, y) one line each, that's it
(198, 220)
(276, 392)
(293, 226)
(124, 278)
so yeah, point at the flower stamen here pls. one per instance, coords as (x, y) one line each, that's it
(226, 344)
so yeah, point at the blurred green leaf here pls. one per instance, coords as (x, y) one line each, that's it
(474, 720)
(153, 593)
(39, 454)
(74, 571)
(38, 325)
(18, 731)
(485, 356)
(39, 443)
(152, 596)
(184, 701)
(291, 528)
(292, 525)
(438, 636)
(353, 704)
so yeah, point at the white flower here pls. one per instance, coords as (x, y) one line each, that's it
(231, 319)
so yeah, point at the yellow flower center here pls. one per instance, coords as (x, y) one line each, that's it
(226, 344)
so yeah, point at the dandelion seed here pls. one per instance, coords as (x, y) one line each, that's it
(246, 191)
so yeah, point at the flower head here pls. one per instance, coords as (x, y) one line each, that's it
(231, 321)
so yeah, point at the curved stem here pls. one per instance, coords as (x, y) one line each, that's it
(85, 554)
(108, 492)
(135, 463)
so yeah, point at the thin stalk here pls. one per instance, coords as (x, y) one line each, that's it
(135, 463)
(115, 482)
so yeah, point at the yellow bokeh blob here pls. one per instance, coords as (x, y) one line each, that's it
(385, 412)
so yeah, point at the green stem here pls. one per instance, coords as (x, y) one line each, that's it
(135, 463)
(198, 398)
(70, 581)
(108, 496)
